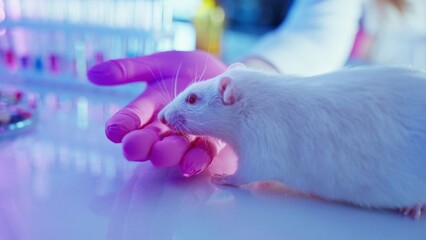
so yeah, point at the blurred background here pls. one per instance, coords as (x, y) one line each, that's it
(75, 34)
(59, 176)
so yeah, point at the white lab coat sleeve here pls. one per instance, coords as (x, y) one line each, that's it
(316, 37)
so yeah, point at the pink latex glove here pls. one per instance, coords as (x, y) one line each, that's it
(136, 126)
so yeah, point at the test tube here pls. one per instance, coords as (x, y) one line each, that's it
(5, 47)
(157, 15)
(43, 11)
(57, 10)
(13, 9)
(80, 59)
(121, 14)
(74, 11)
(56, 52)
(9, 54)
(97, 10)
(144, 8)
(167, 16)
(109, 16)
(99, 49)
(133, 46)
(13, 13)
(40, 51)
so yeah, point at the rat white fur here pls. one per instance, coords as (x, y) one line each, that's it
(355, 135)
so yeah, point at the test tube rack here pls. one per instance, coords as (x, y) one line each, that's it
(55, 41)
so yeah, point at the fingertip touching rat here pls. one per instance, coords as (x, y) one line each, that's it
(357, 135)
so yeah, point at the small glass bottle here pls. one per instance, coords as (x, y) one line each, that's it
(209, 21)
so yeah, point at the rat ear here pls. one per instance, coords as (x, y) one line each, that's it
(237, 65)
(227, 91)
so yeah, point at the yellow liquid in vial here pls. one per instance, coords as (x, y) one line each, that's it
(209, 23)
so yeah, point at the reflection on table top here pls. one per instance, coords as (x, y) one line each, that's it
(64, 180)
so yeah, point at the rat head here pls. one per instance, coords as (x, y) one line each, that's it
(206, 107)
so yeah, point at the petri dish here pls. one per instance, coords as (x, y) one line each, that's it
(17, 111)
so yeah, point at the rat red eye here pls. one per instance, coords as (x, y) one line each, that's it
(192, 99)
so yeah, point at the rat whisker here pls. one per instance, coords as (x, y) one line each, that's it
(159, 93)
(205, 68)
(176, 127)
(194, 125)
(202, 74)
(167, 92)
(202, 123)
(161, 96)
(176, 79)
(164, 90)
(152, 72)
(205, 63)
(193, 80)
(196, 73)
(180, 128)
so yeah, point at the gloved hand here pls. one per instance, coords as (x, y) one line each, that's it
(136, 126)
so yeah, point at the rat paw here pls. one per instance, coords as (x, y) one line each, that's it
(415, 211)
(226, 180)
(221, 180)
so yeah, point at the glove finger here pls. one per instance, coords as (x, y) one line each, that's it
(138, 144)
(121, 71)
(169, 151)
(194, 65)
(133, 116)
(199, 156)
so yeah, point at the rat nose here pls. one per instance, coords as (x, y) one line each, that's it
(163, 119)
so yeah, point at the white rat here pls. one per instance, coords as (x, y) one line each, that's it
(355, 135)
